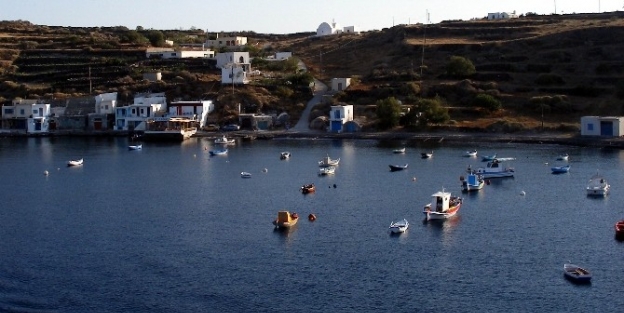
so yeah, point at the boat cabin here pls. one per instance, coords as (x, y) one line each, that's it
(441, 200)
(473, 180)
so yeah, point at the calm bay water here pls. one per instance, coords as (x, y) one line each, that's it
(171, 229)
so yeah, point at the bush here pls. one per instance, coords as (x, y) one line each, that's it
(431, 112)
(487, 102)
(388, 112)
(460, 67)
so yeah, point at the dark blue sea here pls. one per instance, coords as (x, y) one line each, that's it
(171, 229)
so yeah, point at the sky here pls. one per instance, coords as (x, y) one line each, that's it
(276, 16)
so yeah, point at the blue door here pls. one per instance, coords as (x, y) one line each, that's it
(606, 128)
(336, 126)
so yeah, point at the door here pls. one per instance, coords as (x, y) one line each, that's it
(606, 128)
(97, 124)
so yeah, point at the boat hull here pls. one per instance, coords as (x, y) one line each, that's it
(395, 168)
(469, 187)
(576, 274)
(432, 215)
(597, 192)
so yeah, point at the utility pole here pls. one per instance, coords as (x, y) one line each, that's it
(555, 6)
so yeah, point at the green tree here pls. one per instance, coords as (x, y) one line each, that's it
(388, 112)
(432, 112)
(460, 67)
(487, 102)
(156, 38)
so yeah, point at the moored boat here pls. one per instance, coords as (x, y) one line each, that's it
(170, 128)
(218, 152)
(327, 161)
(285, 219)
(309, 188)
(493, 169)
(329, 170)
(401, 150)
(399, 227)
(576, 273)
(488, 158)
(560, 169)
(135, 147)
(619, 229)
(472, 182)
(472, 153)
(284, 155)
(443, 206)
(597, 186)
(224, 140)
(395, 167)
(563, 157)
(77, 162)
(245, 175)
(426, 155)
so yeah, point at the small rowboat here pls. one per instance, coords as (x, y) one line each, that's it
(619, 229)
(560, 169)
(402, 150)
(245, 175)
(135, 147)
(394, 168)
(399, 227)
(309, 188)
(576, 273)
(426, 155)
(74, 162)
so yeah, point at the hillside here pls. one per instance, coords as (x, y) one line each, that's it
(561, 67)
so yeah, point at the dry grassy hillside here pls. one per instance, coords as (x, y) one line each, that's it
(576, 58)
(571, 62)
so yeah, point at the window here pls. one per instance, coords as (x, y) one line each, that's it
(590, 126)
(142, 111)
(22, 112)
(35, 111)
(106, 107)
(8, 111)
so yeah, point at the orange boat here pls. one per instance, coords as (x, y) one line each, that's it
(309, 188)
(619, 229)
(285, 219)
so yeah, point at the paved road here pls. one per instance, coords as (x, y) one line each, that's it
(303, 125)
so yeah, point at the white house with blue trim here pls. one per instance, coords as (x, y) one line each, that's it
(338, 116)
(133, 117)
(605, 126)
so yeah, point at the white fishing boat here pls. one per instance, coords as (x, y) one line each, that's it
(398, 151)
(399, 227)
(169, 128)
(563, 157)
(328, 170)
(77, 162)
(245, 175)
(396, 167)
(597, 186)
(225, 141)
(426, 155)
(488, 158)
(470, 154)
(493, 169)
(135, 147)
(472, 182)
(327, 161)
(285, 155)
(443, 206)
(560, 169)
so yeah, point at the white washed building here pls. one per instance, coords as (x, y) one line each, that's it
(232, 57)
(31, 116)
(234, 41)
(340, 84)
(606, 126)
(133, 117)
(234, 73)
(197, 110)
(338, 116)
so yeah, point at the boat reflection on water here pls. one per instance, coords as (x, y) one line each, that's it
(444, 228)
(285, 234)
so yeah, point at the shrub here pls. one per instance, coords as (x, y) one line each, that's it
(388, 112)
(487, 102)
(460, 67)
(431, 112)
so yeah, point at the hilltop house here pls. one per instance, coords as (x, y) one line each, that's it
(502, 15)
(232, 42)
(235, 73)
(232, 57)
(338, 116)
(334, 28)
(169, 53)
(340, 84)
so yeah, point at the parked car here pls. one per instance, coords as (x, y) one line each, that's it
(211, 127)
(230, 127)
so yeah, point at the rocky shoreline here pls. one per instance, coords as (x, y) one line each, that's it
(571, 139)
